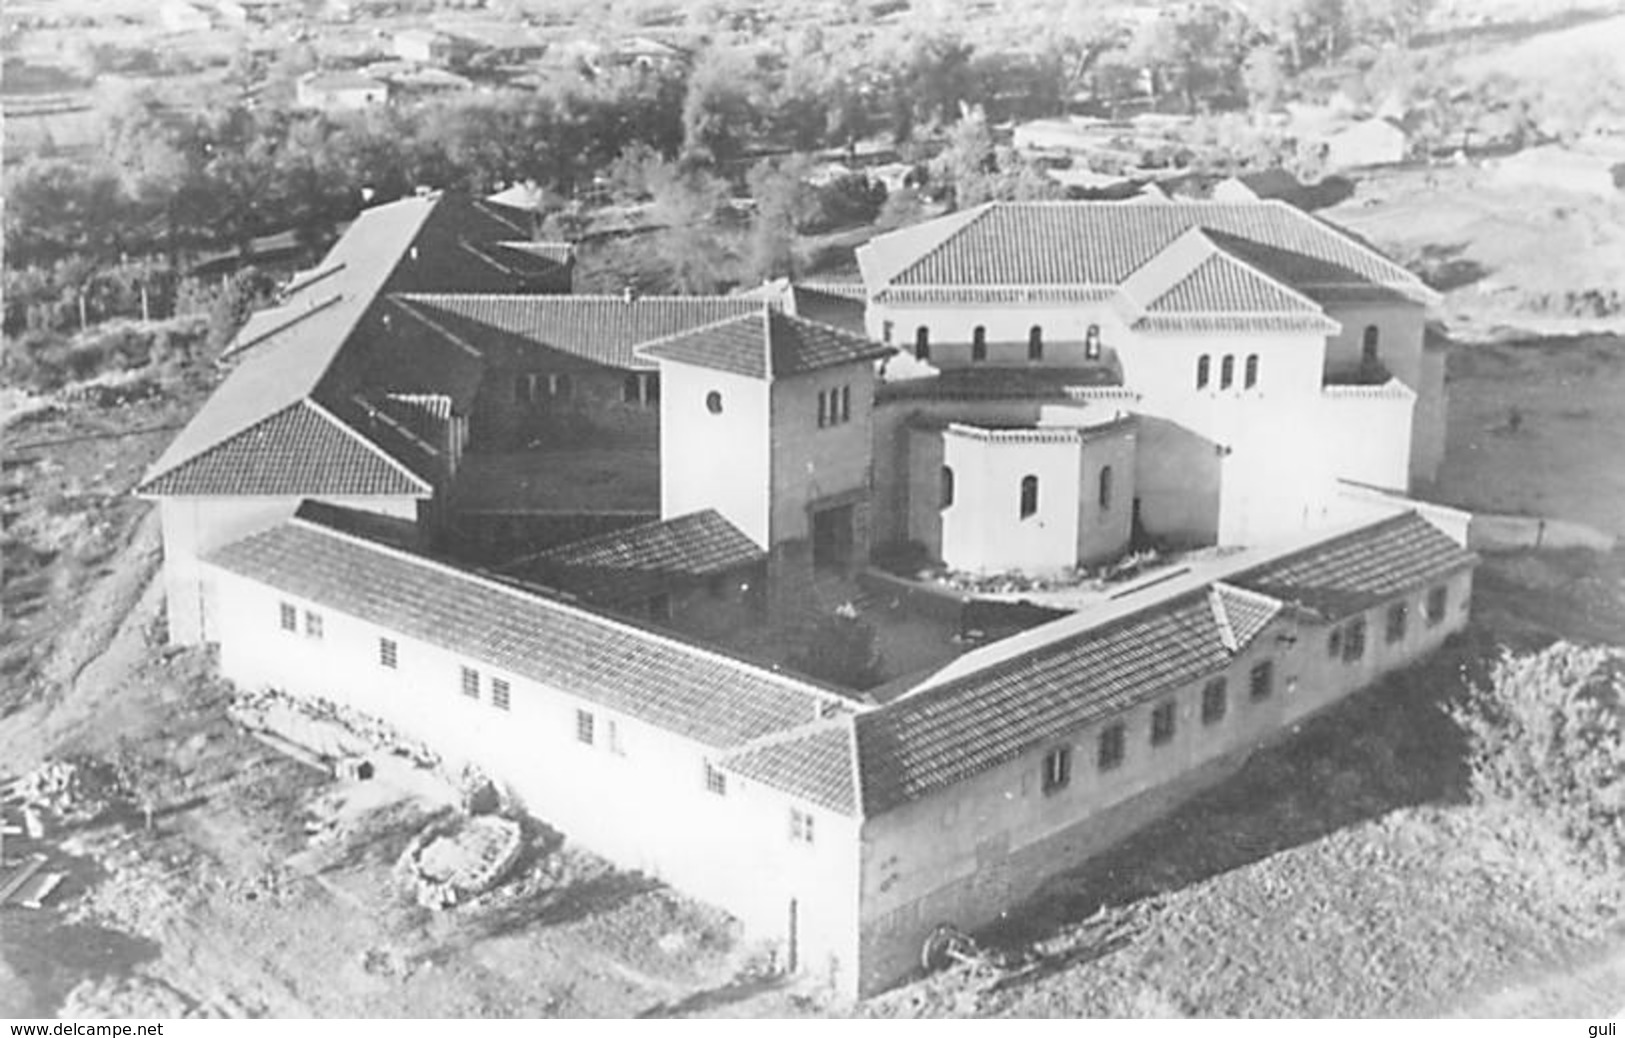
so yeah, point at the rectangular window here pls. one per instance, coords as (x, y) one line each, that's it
(1057, 769)
(1163, 719)
(978, 344)
(1262, 680)
(1354, 639)
(1110, 751)
(612, 736)
(801, 826)
(886, 328)
(523, 389)
(1215, 701)
(630, 386)
(1438, 601)
(651, 388)
(1398, 614)
(501, 694)
(846, 403)
(584, 727)
(558, 386)
(290, 617)
(471, 683)
(1334, 643)
(823, 408)
(715, 781)
(388, 653)
(313, 624)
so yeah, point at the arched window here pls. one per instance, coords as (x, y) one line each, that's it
(922, 343)
(1091, 343)
(978, 343)
(1368, 345)
(1029, 495)
(1105, 490)
(947, 486)
(713, 402)
(1250, 378)
(1204, 370)
(1035, 343)
(1227, 371)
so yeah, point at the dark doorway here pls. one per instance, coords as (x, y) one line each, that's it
(832, 537)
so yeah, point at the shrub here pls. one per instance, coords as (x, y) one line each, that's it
(1545, 740)
(841, 651)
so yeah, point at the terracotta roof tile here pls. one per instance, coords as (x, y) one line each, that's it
(817, 764)
(600, 330)
(767, 343)
(660, 679)
(632, 563)
(298, 451)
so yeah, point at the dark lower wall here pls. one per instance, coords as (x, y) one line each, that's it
(595, 409)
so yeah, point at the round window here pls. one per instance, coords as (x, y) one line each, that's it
(713, 402)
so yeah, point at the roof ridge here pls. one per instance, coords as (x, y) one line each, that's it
(1227, 633)
(400, 301)
(708, 326)
(366, 442)
(797, 684)
(795, 733)
(1225, 256)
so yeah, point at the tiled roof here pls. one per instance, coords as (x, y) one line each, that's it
(1354, 571)
(929, 739)
(1222, 284)
(632, 563)
(680, 687)
(597, 329)
(293, 354)
(1102, 243)
(1003, 701)
(817, 764)
(766, 344)
(299, 450)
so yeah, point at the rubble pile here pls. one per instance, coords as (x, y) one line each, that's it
(354, 733)
(73, 791)
(447, 865)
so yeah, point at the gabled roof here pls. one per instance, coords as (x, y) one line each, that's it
(631, 564)
(1220, 290)
(681, 687)
(602, 330)
(995, 704)
(310, 347)
(817, 763)
(766, 344)
(1007, 246)
(299, 450)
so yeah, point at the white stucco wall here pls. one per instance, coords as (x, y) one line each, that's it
(710, 460)
(1399, 325)
(1007, 326)
(639, 800)
(983, 531)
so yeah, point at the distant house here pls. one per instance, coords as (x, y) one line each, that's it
(340, 91)
(179, 16)
(642, 52)
(430, 47)
(242, 13)
(1370, 142)
(1553, 167)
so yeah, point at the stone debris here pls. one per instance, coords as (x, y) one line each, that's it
(448, 866)
(70, 791)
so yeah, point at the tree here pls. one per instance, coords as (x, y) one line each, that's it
(1263, 76)
(718, 114)
(842, 651)
(784, 201)
(1546, 738)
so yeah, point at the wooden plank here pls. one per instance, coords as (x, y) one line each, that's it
(21, 876)
(36, 890)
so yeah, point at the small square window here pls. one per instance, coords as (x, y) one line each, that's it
(290, 617)
(1057, 769)
(715, 780)
(388, 653)
(1163, 719)
(801, 826)
(1261, 683)
(1109, 754)
(501, 694)
(1215, 701)
(584, 727)
(1398, 615)
(1438, 602)
(471, 683)
(313, 624)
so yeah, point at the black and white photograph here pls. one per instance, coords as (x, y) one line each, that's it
(1100, 510)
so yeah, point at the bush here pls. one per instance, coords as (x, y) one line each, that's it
(1545, 740)
(842, 651)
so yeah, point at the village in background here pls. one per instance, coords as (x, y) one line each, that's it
(488, 304)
